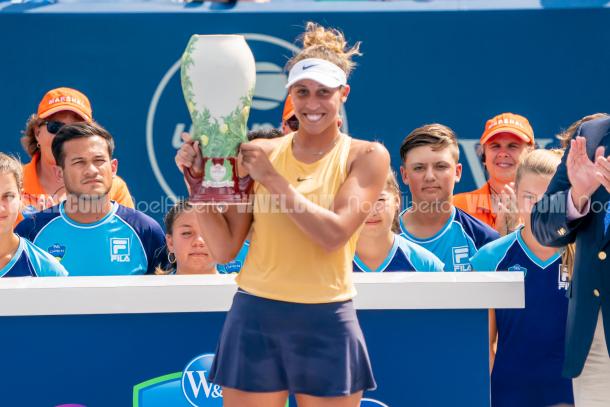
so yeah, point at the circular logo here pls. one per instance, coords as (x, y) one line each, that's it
(168, 116)
(195, 384)
(372, 403)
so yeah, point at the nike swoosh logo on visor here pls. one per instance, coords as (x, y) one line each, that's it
(308, 66)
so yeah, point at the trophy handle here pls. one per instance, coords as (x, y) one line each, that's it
(245, 184)
(193, 182)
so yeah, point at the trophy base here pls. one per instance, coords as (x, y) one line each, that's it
(215, 196)
(238, 193)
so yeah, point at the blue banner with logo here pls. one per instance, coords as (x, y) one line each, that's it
(419, 357)
(422, 63)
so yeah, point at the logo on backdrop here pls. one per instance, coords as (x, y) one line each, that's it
(190, 387)
(195, 385)
(168, 116)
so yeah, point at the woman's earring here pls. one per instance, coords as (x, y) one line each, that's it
(171, 257)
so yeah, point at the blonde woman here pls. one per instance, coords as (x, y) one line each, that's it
(526, 368)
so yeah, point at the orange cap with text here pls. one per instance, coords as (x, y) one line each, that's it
(508, 123)
(60, 99)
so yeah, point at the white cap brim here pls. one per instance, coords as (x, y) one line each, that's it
(324, 72)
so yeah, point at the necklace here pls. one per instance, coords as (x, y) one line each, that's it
(317, 153)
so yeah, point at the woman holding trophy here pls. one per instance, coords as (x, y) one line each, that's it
(292, 327)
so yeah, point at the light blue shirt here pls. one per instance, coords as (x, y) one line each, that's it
(30, 260)
(123, 242)
(457, 241)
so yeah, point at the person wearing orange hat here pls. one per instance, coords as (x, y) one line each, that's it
(290, 122)
(505, 139)
(41, 187)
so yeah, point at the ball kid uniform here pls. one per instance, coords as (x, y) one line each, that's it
(293, 317)
(31, 261)
(457, 241)
(235, 265)
(403, 256)
(530, 353)
(123, 242)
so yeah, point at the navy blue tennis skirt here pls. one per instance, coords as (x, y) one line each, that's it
(314, 349)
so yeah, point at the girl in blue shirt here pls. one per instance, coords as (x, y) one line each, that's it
(19, 257)
(187, 252)
(526, 367)
(380, 248)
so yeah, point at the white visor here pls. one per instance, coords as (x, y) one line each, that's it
(319, 70)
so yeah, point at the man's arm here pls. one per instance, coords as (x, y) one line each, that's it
(557, 216)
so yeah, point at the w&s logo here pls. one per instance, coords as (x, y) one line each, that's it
(188, 388)
(195, 384)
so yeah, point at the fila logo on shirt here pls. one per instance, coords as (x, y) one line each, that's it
(460, 258)
(119, 249)
(563, 277)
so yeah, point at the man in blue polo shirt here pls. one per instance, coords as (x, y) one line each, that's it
(90, 234)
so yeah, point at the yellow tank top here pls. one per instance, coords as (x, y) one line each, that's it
(283, 263)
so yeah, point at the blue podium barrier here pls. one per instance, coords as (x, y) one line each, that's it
(149, 341)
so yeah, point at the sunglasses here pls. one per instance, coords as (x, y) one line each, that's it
(293, 123)
(53, 126)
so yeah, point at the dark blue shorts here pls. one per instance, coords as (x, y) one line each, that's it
(314, 349)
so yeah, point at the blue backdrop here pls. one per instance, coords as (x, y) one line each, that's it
(454, 67)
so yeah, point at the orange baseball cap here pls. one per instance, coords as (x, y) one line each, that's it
(60, 99)
(288, 109)
(508, 123)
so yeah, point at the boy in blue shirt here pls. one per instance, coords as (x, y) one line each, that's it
(430, 168)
